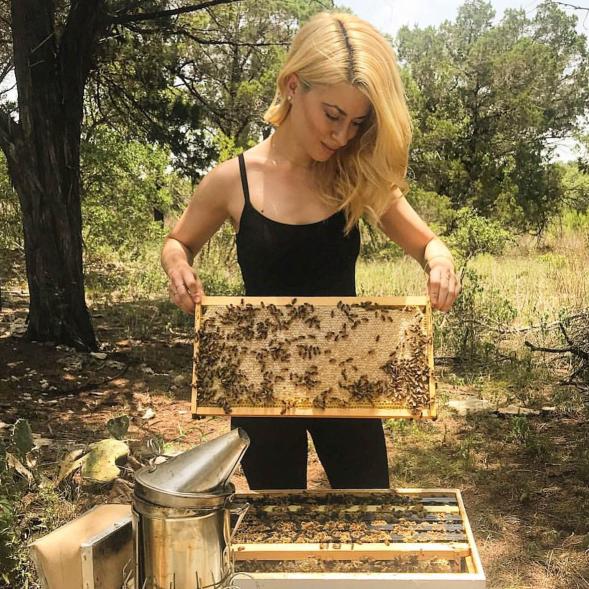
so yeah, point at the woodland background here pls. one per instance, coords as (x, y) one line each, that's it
(123, 106)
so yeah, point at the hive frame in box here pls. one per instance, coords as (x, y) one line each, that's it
(389, 413)
(474, 578)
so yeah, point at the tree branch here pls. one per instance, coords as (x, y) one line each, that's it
(535, 348)
(573, 6)
(8, 127)
(227, 42)
(6, 69)
(127, 18)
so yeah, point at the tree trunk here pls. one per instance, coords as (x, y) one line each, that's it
(43, 153)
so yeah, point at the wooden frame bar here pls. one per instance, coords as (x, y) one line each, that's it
(413, 301)
(351, 551)
(472, 578)
(352, 412)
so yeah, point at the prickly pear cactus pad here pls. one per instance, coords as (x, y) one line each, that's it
(314, 357)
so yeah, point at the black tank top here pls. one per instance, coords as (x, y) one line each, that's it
(281, 259)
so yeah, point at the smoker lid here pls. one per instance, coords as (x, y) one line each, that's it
(158, 498)
(203, 470)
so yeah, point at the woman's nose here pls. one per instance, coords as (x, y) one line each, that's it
(340, 135)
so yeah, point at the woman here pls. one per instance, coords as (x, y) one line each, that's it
(339, 152)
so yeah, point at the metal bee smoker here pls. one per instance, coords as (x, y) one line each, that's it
(182, 517)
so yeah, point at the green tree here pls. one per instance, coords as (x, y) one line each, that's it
(199, 83)
(10, 218)
(122, 183)
(228, 61)
(53, 48)
(489, 101)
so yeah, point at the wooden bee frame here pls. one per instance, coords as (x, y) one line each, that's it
(468, 574)
(314, 357)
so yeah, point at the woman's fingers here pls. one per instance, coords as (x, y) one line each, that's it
(438, 286)
(443, 287)
(182, 300)
(193, 285)
(185, 289)
(452, 294)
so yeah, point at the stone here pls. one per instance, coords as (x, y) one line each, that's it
(470, 405)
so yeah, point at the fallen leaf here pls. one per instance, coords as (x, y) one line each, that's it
(72, 461)
(13, 462)
(41, 441)
(149, 414)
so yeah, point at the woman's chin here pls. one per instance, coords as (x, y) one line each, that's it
(323, 154)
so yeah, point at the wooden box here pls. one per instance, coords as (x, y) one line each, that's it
(314, 357)
(418, 538)
(93, 551)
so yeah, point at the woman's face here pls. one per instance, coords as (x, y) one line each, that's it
(326, 118)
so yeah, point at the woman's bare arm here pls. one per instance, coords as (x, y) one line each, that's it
(405, 227)
(203, 216)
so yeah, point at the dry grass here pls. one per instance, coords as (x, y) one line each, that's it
(538, 283)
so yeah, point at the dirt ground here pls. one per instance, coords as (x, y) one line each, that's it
(525, 483)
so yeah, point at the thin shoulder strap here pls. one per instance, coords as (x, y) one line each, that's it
(246, 190)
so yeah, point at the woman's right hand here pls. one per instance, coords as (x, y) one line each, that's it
(185, 288)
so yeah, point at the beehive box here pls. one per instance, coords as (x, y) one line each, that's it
(320, 539)
(321, 356)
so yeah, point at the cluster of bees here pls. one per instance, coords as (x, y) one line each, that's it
(293, 519)
(301, 355)
(401, 564)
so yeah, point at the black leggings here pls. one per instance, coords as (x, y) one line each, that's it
(352, 452)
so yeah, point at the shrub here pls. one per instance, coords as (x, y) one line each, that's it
(473, 327)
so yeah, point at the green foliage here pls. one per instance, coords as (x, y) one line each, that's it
(179, 83)
(471, 234)
(235, 80)
(575, 182)
(123, 182)
(13, 486)
(7, 518)
(11, 236)
(375, 245)
(134, 90)
(227, 147)
(217, 264)
(435, 209)
(472, 328)
(522, 433)
(487, 98)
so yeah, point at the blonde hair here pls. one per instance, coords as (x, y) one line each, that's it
(334, 48)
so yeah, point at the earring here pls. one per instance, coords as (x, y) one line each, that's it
(289, 98)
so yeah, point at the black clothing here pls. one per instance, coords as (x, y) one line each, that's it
(280, 259)
(314, 259)
(352, 451)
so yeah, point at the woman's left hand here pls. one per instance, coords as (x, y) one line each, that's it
(443, 286)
